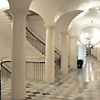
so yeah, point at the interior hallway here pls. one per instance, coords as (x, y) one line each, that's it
(79, 84)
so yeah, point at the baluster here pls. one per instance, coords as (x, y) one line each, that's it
(43, 72)
(40, 71)
(28, 71)
(44, 49)
(34, 42)
(4, 74)
(41, 48)
(8, 75)
(1, 71)
(38, 45)
(33, 71)
(37, 71)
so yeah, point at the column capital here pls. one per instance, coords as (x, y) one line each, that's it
(73, 36)
(50, 26)
(63, 33)
(19, 6)
(18, 12)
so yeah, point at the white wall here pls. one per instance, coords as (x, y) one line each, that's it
(5, 48)
(82, 52)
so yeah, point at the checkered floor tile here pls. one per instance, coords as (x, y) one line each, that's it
(78, 84)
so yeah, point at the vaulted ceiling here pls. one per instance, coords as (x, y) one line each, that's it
(77, 17)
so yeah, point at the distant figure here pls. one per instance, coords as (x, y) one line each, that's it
(79, 63)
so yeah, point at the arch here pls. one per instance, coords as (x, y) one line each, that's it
(66, 18)
(46, 9)
(36, 23)
(84, 20)
(35, 14)
(71, 5)
(35, 11)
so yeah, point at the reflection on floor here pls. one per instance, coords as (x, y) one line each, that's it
(79, 84)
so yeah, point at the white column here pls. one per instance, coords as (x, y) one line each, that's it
(98, 57)
(50, 54)
(93, 51)
(64, 53)
(98, 52)
(68, 49)
(18, 89)
(73, 52)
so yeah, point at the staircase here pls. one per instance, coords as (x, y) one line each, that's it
(33, 44)
(6, 37)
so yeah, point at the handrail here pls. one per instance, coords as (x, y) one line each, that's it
(9, 15)
(6, 58)
(5, 67)
(10, 61)
(38, 43)
(35, 66)
(34, 35)
(32, 39)
(34, 70)
(38, 39)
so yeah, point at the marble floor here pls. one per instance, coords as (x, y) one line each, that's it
(78, 84)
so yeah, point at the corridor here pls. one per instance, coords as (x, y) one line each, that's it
(79, 84)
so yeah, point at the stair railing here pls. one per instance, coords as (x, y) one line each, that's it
(34, 70)
(5, 72)
(40, 46)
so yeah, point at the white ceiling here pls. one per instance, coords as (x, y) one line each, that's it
(77, 17)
